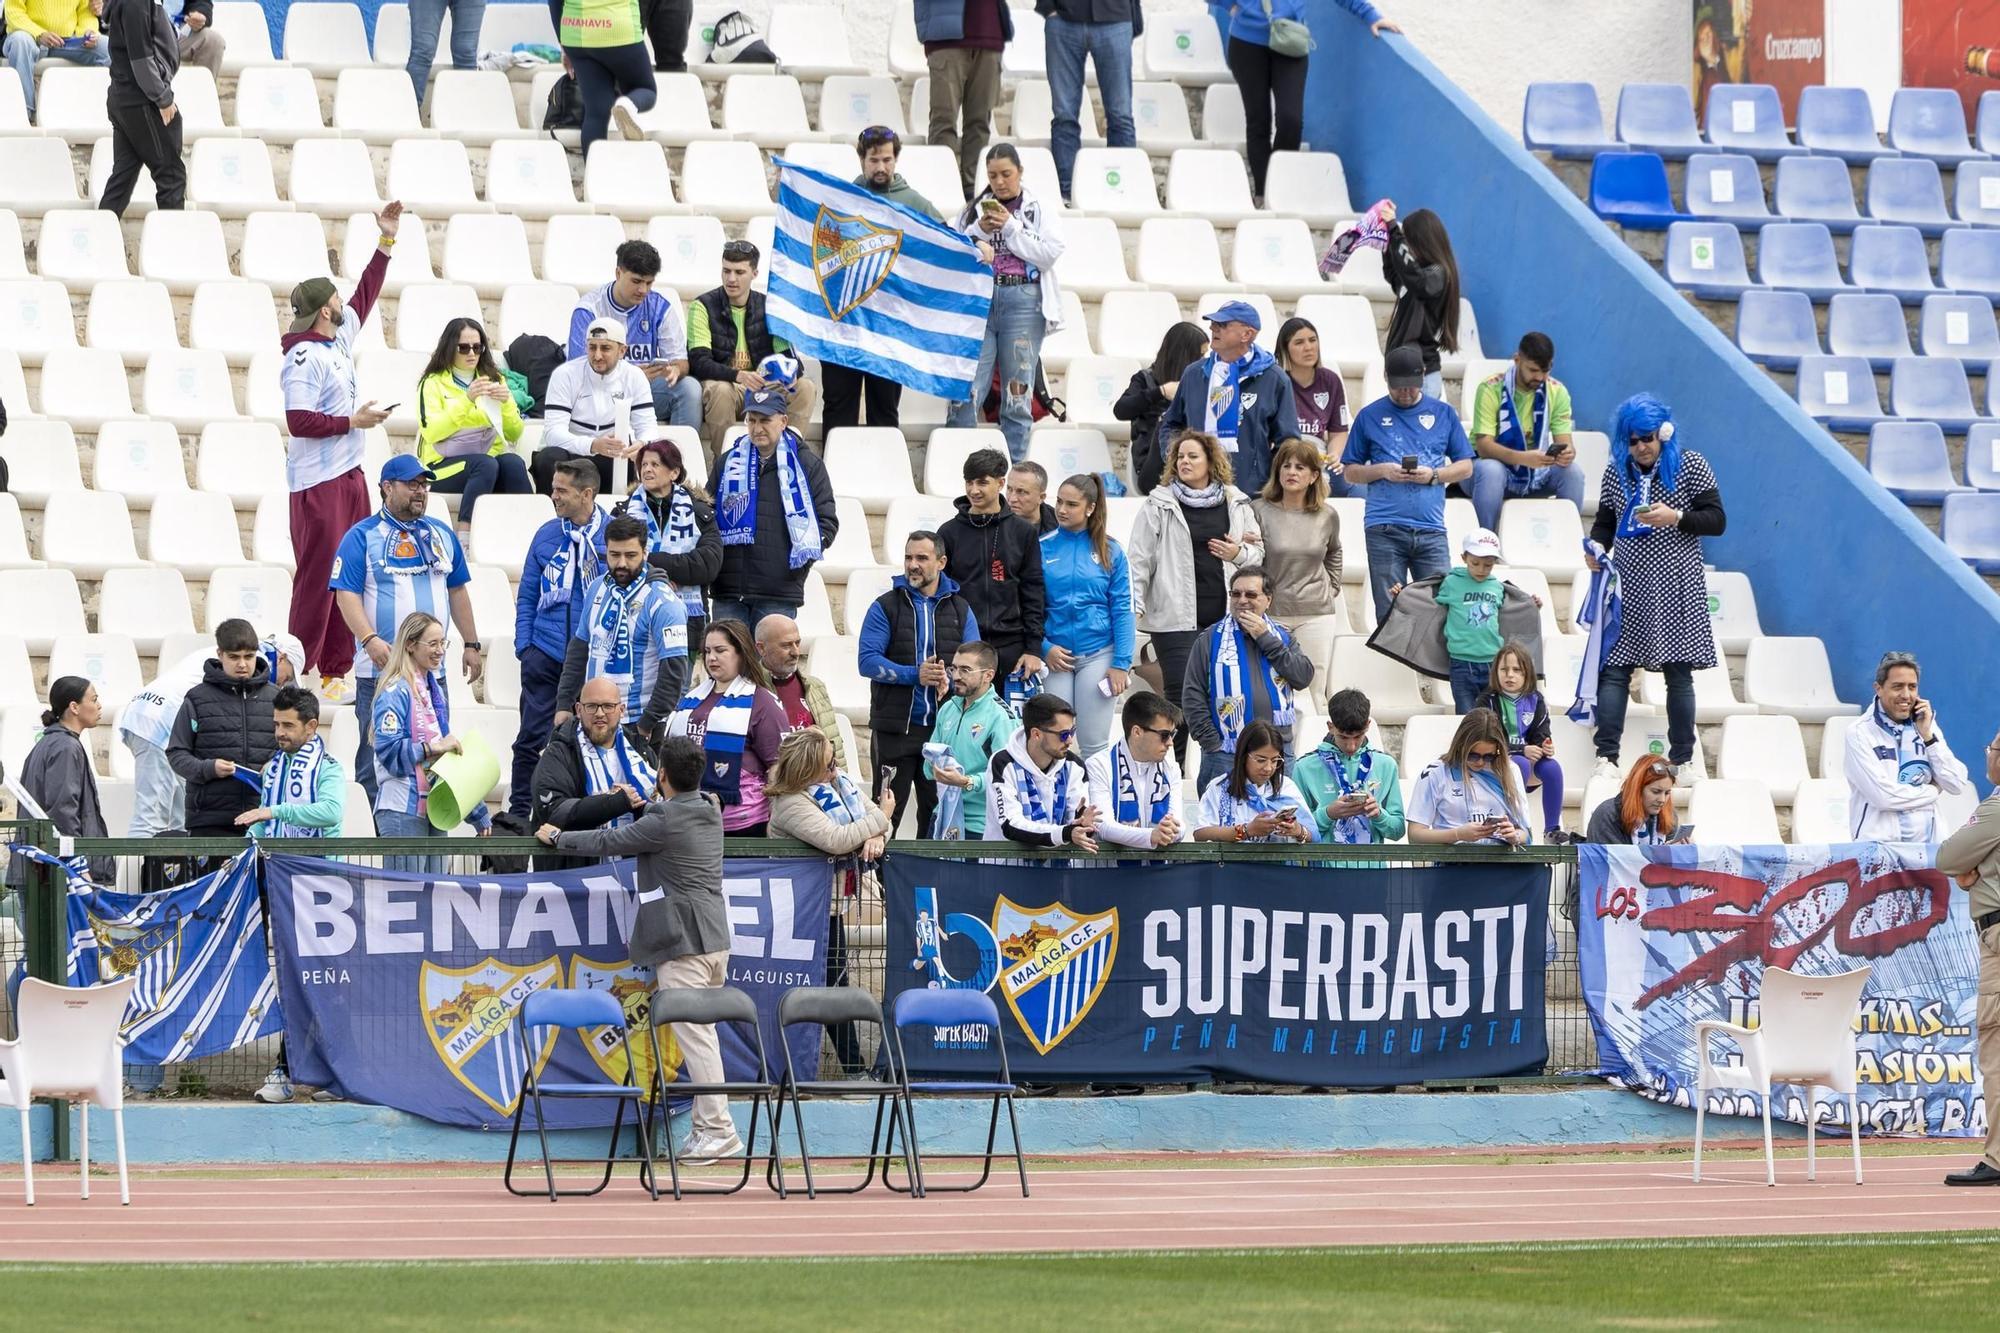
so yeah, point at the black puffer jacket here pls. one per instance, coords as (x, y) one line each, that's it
(996, 561)
(763, 569)
(561, 796)
(223, 719)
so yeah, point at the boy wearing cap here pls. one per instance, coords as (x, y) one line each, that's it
(586, 398)
(732, 351)
(1471, 598)
(323, 456)
(1237, 393)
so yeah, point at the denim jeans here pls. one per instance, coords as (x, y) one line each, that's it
(1214, 764)
(679, 403)
(1109, 47)
(22, 51)
(749, 610)
(426, 21)
(1403, 555)
(1013, 339)
(1094, 712)
(1434, 384)
(1468, 682)
(159, 797)
(1614, 691)
(395, 824)
(364, 753)
(1489, 488)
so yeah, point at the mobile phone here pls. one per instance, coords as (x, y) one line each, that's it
(991, 205)
(887, 776)
(1684, 833)
(391, 407)
(1409, 462)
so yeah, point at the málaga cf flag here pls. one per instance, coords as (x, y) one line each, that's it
(865, 283)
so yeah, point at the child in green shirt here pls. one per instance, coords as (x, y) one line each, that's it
(1471, 598)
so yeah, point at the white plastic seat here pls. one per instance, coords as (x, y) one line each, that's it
(769, 112)
(501, 681)
(435, 175)
(907, 514)
(85, 386)
(41, 459)
(1363, 275)
(1070, 341)
(386, 377)
(234, 318)
(815, 616)
(1093, 261)
(1593, 455)
(376, 106)
(1308, 185)
(1033, 115)
(425, 308)
(392, 37)
(945, 454)
(334, 176)
(1425, 739)
(69, 101)
(811, 40)
(1819, 812)
(626, 178)
(81, 247)
(835, 159)
(183, 248)
(679, 115)
(530, 177)
(1132, 323)
(199, 105)
(1792, 675)
(1026, 54)
(1347, 334)
(17, 675)
(487, 251)
(109, 661)
(690, 253)
(1767, 749)
(864, 588)
(1714, 694)
(1222, 119)
(1160, 117)
(832, 660)
(195, 532)
(932, 171)
(409, 259)
(271, 533)
(577, 249)
(276, 103)
(850, 549)
(1833, 747)
(1067, 450)
(140, 460)
(492, 603)
(35, 319)
(502, 532)
(188, 388)
(506, 26)
(1211, 183)
(726, 178)
(246, 32)
(1115, 183)
(42, 605)
(327, 38)
(13, 255)
(1181, 255)
(536, 307)
(130, 316)
(282, 249)
(70, 1045)
(1184, 46)
(232, 177)
(870, 463)
(850, 103)
(906, 52)
(98, 179)
(88, 532)
(1395, 693)
(14, 111)
(244, 460)
(476, 105)
(1733, 812)
(1277, 255)
(38, 173)
(1732, 603)
(14, 552)
(1091, 385)
(1542, 534)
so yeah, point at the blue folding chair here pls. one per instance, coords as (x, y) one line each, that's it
(1658, 117)
(582, 1010)
(1932, 388)
(827, 1007)
(1982, 453)
(960, 1009)
(1746, 118)
(1798, 256)
(1815, 189)
(1839, 122)
(1706, 258)
(711, 1005)
(1726, 186)
(1930, 122)
(1631, 190)
(1971, 528)
(1986, 123)
(1959, 326)
(1775, 329)
(1891, 259)
(1564, 119)
(1910, 191)
(1839, 391)
(1969, 261)
(1909, 459)
(1867, 324)
(1976, 190)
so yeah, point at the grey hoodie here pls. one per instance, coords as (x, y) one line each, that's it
(902, 192)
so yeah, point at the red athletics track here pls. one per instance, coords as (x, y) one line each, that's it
(427, 1214)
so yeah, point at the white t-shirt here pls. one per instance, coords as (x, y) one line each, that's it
(150, 716)
(320, 377)
(1441, 800)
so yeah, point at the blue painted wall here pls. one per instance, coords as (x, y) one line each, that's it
(1829, 552)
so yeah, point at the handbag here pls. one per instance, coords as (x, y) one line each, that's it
(1289, 37)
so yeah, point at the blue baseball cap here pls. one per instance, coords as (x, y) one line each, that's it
(406, 467)
(1236, 312)
(765, 403)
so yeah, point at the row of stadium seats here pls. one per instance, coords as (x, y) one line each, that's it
(1707, 259)
(1728, 187)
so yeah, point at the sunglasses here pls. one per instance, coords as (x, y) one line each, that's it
(1485, 757)
(1066, 735)
(472, 347)
(1650, 437)
(1162, 734)
(739, 252)
(877, 134)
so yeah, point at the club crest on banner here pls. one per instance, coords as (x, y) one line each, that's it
(151, 951)
(1053, 966)
(632, 986)
(469, 1013)
(851, 258)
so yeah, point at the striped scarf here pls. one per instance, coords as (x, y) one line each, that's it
(574, 563)
(839, 799)
(1601, 614)
(1128, 808)
(1352, 829)
(1521, 480)
(678, 537)
(293, 779)
(1257, 800)
(736, 499)
(604, 769)
(1229, 686)
(723, 741)
(1031, 784)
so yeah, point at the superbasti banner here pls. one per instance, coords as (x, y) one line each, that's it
(1177, 973)
(1670, 936)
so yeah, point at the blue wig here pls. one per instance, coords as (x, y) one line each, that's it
(1642, 414)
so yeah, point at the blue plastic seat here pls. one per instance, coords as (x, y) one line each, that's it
(1799, 256)
(1932, 388)
(1971, 528)
(1960, 327)
(1776, 328)
(1658, 117)
(1893, 260)
(1746, 118)
(1969, 261)
(1976, 193)
(1986, 123)
(1564, 119)
(1930, 122)
(1908, 190)
(1631, 190)
(1840, 391)
(1816, 189)
(1909, 459)
(1982, 452)
(1706, 258)
(1868, 325)
(1839, 122)
(1726, 186)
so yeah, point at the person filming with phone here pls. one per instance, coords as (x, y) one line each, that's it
(1472, 794)
(1897, 763)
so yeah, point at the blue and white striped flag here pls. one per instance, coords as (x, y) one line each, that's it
(205, 979)
(868, 284)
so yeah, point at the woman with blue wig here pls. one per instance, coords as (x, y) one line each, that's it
(1657, 501)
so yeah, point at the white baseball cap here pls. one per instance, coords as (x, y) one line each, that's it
(1480, 542)
(604, 326)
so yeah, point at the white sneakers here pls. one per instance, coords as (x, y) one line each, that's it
(699, 1149)
(1607, 769)
(277, 1089)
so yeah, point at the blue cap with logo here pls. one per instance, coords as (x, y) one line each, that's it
(764, 403)
(1236, 312)
(406, 467)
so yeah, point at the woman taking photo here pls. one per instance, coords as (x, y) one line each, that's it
(1472, 794)
(682, 539)
(1657, 501)
(1254, 801)
(1319, 398)
(1089, 637)
(739, 723)
(1642, 813)
(467, 422)
(1301, 541)
(1152, 388)
(1193, 530)
(1423, 273)
(1019, 239)
(412, 729)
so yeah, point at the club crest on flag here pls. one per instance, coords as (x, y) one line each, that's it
(851, 258)
(1053, 966)
(632, 986)
(469, 1013)
(151, 950)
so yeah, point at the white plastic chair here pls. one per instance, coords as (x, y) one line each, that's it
(146, 606)
(1767, 748)
(81, 247)
(42, 605)
(375, 105)
(282, 249)
(335, 176)
(530, 177)
(71, 103)
(246, 31)
(231, 177)
(235, 318)
(38, 172)
(849, 104)
(769, 112)
(426, 307)
(870, 463)
(130, 316)
(38, 318)
(1792, 675)
(536, 307)
(1181, 255)
(690, 252)
(140, 460)
(1091, 385)
(109, 661)
(1222, 118)
(1115, 183)
(433, 175)
(1804, 1035)
(945, 454)
(628, 179)
(726, 178)
(811, 41)
(1308, 185)
(183, 248)
(1819, 812)
(260, 594)
(475, 105)
(1160, 117)
(327, 38)
(70, 1046)
(576, 247)
(1211, 183)
(1736, 812)
(275, 103)
(502, 531)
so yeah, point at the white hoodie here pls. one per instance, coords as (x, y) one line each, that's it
(1059, 796)
(582, 404)
(1894, 779)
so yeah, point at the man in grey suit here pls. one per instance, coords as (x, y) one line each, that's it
(681, 928)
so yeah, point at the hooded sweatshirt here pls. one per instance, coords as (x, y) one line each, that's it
(1027, 805)
(900, 191)
(145, 53)
(996, 561)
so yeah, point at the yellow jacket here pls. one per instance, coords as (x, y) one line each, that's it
(444, 410)
(64, 18)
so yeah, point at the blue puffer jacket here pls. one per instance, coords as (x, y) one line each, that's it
(944, 20)
(549, 628)
(1250, 25)
(1089, 607)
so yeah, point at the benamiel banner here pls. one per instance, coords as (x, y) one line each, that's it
(1670, 936)
(403, 990)
(1192, 973)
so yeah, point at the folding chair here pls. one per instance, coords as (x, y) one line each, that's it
(579, 1009)
(827, 1007)
(710, 1004)
(955, 1008)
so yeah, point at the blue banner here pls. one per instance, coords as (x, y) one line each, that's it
(1668, 937)
(1186, 973)
(205, 982)
(402, 990)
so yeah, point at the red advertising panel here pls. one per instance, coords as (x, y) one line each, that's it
(1952, 44)
(1779, 42)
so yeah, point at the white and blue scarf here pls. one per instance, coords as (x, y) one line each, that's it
(948, 819)
(1225, 403)
(1351, 829)
(1257, 800)
(605, 769)
(736, 499)
(1637, 498)
(1522, 480)
(840, 800)
(723, 741)
(1128, 807)
(615, 611)
(574, 563)
(293, 779)
(1028, 780)
(1229, 688)
(681, 534)
(1602, 615)
(1914, 768)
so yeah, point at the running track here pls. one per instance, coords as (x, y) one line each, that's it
(428, 1214)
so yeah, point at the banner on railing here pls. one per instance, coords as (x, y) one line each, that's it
(403, 990)
(1670, 936)
(205, 981)
(1183, 973)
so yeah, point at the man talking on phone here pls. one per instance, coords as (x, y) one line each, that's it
(1897, 762)
(908, 635)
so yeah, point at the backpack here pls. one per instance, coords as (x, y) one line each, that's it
(737, 43)
(565, 106)
(1045, 404)
(534, 358)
